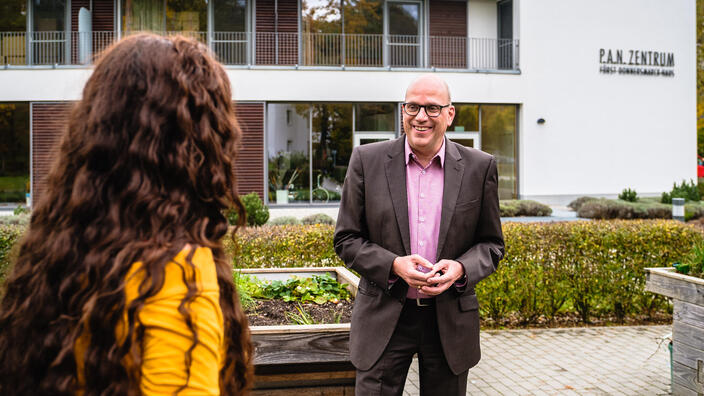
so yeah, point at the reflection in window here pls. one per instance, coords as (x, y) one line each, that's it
(375, 117)
(49, 15)
(186, 16)
(229, 15)
(363, 17)
(139, 15)
(332, 148)
(466, 118)
(288, 152)
(499, 139)
(14, 151)
(229, 40)
(14, 15)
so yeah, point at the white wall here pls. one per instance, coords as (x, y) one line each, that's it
(482, 21)
(605, 132)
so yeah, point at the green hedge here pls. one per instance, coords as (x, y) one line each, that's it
(9, 235)
(593, 268)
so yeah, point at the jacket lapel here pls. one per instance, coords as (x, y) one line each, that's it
(395, 167)
(454, 170)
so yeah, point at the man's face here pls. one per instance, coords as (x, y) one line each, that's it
(425, 134)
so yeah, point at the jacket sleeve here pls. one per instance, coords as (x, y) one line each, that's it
(482, 259)
(351, 238)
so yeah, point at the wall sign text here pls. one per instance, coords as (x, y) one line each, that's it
(639, 62)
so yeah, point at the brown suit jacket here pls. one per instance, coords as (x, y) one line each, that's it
(372, 230)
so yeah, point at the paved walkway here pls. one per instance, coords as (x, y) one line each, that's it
(574, 361)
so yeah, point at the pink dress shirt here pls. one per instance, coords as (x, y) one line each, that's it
(424, 189)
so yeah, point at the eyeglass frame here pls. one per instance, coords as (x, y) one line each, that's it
(424, 108)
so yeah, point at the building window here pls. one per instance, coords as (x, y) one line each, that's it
(498, 127)
(309, 146)
(14, 151)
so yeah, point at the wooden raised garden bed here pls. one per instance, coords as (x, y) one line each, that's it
(303, 359)
(687, 293)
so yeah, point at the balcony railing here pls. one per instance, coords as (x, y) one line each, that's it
(21, 49)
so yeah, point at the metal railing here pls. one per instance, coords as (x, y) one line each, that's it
(281, 49)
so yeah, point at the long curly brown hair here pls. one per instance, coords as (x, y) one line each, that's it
(144, 169)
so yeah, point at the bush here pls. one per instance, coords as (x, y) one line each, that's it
(257, 212)
(606, 209)
(20, 210)
(9, 236)
(521, 207)
(577, 203)
(284, 246)
(318, 218)
(628, 195)
(688, 191)
(15, 220)
(284, 220)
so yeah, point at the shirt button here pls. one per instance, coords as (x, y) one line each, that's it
(422, 195)
(422, 172)
(420, 243)
(422, 219)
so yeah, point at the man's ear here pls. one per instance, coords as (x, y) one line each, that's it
(451, 114)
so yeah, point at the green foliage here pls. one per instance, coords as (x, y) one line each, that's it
(577, 203)
(523, 207)
(318, 218)
(694, 263)
(593, 267)
(284, 246)
(317, 288)
(605, 209)
(246, 287)
(687, 190)
(22, 220)
(284, 220)
(9, 236)
(257, 212)
(20, 210)
(628, 195)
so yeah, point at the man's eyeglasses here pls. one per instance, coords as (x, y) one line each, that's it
(413, 109)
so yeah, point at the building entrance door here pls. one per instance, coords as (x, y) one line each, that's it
(404, 31)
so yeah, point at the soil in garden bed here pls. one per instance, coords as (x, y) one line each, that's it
(279, 312)
(574, 320)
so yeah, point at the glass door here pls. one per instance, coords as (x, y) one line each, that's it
(403, 27)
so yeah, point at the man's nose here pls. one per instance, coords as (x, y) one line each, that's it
(422, 114)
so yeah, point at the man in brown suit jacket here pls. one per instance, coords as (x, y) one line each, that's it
(376, 235)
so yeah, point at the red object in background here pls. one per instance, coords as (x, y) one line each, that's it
(700, 166)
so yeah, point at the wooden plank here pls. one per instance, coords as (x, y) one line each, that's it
(686, 355)
(688, 334)
(679, 390)
(307, 391)
(290, 380)
(346, 276)
(686, 377)
(678, 286)
(290, 329)
(301, 348)
(688, 313)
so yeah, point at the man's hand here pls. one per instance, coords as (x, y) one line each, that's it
(451, 271)
(406, 267)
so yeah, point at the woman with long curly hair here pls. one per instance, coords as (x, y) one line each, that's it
(121, 285)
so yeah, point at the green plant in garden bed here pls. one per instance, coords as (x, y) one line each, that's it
(317, 288)
(523, 207)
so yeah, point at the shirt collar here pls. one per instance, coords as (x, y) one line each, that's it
(440, 154)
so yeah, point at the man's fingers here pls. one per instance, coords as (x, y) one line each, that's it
(435, 290)
(422, 261)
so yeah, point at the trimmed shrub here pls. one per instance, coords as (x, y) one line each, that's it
(9, 236)
(523, 207)
(628, 195)
(284, 246)
(577, 203)
(284, 220)
(15, 220)
(257, 212)
(605, 209)
(318, 218)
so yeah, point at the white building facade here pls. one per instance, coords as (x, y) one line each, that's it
(578, 97)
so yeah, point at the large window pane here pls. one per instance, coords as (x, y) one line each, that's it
(13, 15)
(364, 16)
(138, 15)
(321, 25)
(49, 15)
(288, 142)
(332, 147)
(187, 16)
(14, 151)
(466, 118)
(375, 117)
(499, 139)
(229, 15)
